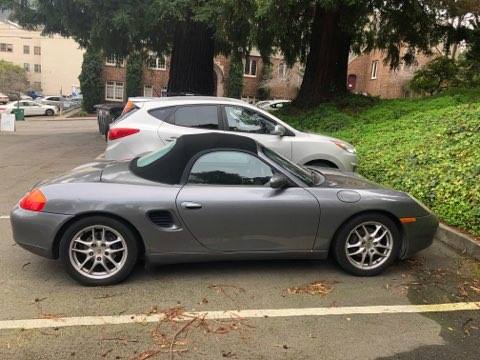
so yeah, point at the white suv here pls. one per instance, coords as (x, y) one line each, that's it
(150, 123)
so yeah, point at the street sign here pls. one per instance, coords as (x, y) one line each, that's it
(7, 122)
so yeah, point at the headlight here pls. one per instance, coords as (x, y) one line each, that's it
(344, 146)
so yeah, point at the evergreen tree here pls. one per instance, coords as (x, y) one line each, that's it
(234, 85)
(91, 79)
(134, 74)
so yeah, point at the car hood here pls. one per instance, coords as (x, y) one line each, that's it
(312, 136)
(346, 180)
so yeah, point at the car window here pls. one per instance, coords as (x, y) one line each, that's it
(241, 119)
(162, 113)
(155, 155)
(200, 116)
(230, 168)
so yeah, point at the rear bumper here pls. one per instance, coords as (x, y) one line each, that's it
(36, 231)
(419, 235)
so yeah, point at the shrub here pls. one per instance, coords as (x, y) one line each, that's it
(437, 75)
(234, 85)
(91, 79)
(134, 76)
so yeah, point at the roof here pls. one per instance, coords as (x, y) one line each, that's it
(177, 100)
(169, 168)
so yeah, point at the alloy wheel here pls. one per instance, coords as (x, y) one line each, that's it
(369, 245)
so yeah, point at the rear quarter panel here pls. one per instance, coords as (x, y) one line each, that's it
(130, 203)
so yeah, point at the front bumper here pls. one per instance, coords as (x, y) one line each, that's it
(419, 235)
(36, 231)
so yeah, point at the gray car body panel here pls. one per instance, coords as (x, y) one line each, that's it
(247, 222)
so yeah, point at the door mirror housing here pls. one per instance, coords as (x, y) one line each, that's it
(278, 181)
(278, 130)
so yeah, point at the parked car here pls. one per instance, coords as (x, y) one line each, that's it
(215, 196)
(272, 105)
(4, 99)
(30, 108)
(106, 114)
(59, 101)
(151, 123)
(34, 94)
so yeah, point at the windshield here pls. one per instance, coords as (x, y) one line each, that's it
(154, 155)
(307, 176)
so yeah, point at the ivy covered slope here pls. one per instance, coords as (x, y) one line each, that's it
(427, 147)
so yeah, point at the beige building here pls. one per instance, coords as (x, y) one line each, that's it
(53, 63)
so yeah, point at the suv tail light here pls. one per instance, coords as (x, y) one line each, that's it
(130, 106)
(33, 201)
(117, 133)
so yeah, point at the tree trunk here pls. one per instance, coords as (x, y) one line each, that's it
(191, 63)
(327, 62)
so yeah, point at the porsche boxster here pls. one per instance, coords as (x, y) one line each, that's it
(213, 197)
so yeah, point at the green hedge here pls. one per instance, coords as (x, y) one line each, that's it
(427, 147)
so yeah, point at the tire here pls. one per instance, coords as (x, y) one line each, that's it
(385, 251)
(116, 232)
(50, 112)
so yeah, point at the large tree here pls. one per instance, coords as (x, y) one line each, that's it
(323, 33)
(191, 31)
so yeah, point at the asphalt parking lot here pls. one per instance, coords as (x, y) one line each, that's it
(305, 309)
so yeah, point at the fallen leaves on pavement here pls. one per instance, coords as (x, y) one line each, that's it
(321, 288)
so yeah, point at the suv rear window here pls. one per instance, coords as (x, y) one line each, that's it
(198, 116)
(162, 113)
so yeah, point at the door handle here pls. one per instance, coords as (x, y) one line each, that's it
(191, 205)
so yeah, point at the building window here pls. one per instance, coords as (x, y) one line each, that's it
(157, 62)
(37, 68)
(113, 60)
(37, 50)
(282, 70)
(114, 91)
(26, 49)
(164, 92)
(375, 69)
(250, 67)
(6, 47)
(148, 91)
(26, 67)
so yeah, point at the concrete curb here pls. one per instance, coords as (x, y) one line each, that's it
(459, 241)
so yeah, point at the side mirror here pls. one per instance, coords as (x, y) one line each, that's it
(278, 181)
(278, 130)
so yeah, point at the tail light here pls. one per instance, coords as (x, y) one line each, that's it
(117, 133)
(33, 201)
(130, 106)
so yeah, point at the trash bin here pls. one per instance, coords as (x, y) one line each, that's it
(19, 114)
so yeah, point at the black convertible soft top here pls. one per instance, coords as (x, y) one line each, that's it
(169, 168)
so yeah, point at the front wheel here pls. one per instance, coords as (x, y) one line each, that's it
(98, 251)
(49, 112)
(367, 244)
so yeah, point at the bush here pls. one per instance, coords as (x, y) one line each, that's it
(427, 147)
(134, 76)
(90, 79)
(234, 85)
(437, 75)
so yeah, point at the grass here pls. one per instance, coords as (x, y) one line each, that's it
(428, 147)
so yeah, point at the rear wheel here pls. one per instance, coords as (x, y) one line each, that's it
(98, 251)
(367, 244)
(49, 112)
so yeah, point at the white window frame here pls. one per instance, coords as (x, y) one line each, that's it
(250, 61)
(282, 70)
(115, 87)
(26, 49)
(37, 50)
(149, 92)
(26, 67)
(158, 65)
(375, 64)
(112, 60)
(37, 68)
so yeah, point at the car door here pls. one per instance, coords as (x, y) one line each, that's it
(189, 119)
(257, 126)
(228, 206)
(27, 110)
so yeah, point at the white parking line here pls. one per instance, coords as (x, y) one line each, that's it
(5, 217)
(245, 314)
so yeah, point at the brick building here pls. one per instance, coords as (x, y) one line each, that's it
(282, 81)
(368, 74)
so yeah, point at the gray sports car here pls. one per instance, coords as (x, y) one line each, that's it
(215, 197)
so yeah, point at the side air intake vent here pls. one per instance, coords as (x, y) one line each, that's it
(162, 218)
